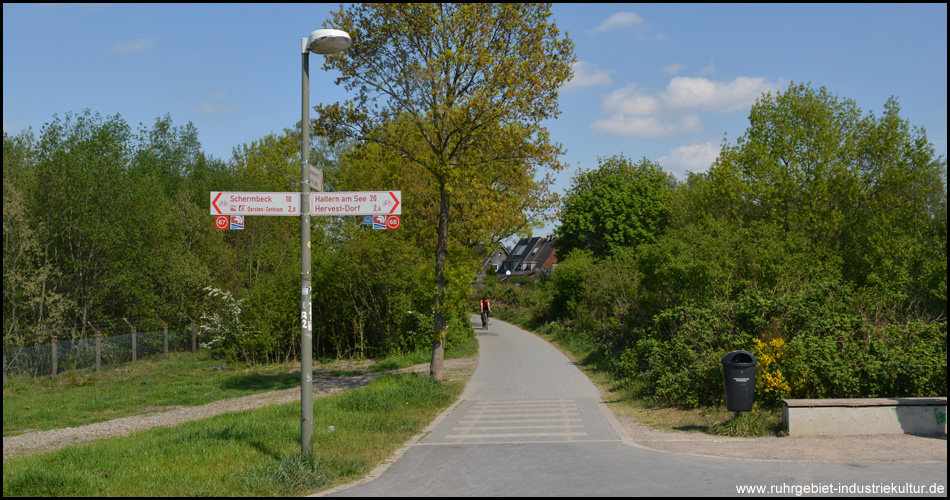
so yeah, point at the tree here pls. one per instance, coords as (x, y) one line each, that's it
(619, 204)
(474, 83)
(269, 247)
(866, 191)
(30, 298)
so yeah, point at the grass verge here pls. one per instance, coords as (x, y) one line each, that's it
(80, 397)
(256, 452)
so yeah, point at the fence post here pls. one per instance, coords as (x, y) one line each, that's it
(98, 346)
(194, 335)
(53, 347)
(133, 340)
(164, 332)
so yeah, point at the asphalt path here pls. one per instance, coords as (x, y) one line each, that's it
(530, 423)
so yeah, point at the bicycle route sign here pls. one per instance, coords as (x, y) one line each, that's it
(237, 203)
(243, 203)
(356, 203)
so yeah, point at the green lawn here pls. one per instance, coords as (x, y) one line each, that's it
(82, 397)
(252, 453)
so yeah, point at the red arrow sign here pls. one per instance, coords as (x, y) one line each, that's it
(214, 203)
(393, 211)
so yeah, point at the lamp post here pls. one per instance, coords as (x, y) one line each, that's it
(325, 41)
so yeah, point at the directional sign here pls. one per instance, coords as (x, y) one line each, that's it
(241, 203)
(316, 178)
(356, 203)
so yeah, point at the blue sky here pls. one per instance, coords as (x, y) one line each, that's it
(662, 81)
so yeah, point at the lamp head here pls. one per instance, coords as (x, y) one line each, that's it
(328, 41)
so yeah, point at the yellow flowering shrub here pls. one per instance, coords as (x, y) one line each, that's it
(772, 358)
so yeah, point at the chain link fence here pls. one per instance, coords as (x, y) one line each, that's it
(96, 350)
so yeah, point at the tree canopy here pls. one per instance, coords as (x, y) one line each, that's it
(866, 190)
(468, 86)
(619, 204)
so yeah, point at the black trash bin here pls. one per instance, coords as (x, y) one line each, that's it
(738, 374)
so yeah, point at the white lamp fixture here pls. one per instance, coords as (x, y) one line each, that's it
(328, 41)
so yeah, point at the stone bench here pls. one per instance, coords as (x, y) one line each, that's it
(863, 416)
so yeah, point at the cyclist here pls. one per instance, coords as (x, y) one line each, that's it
(486, 310)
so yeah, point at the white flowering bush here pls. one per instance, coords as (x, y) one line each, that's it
(229, 336)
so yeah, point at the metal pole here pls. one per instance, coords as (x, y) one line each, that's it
(306, 315)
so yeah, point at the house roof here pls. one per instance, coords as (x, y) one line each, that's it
(496, 258)
(529, 253)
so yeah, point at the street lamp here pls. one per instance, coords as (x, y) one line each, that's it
(325, 41)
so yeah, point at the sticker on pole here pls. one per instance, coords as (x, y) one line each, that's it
(221, 222)
(392, 222)
(237, 222)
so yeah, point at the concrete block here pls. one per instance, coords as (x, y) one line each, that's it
(825, 418)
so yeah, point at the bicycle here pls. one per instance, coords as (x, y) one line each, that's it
(484, 320)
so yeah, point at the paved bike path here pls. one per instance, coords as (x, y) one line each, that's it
(530, 423)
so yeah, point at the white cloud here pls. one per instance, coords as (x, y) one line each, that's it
(210, 108)
(685, 92)
(673, 111)
(708, 70)
(619, 20)
(648, 126)
(673, 69)
(631, 101)
(586, 74)
(216, 107)
(127, 46)
(694, 158)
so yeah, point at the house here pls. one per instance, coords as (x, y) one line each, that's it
(493, 263)
(530, 256)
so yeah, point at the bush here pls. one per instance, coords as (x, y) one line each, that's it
(568, 280)
(814, 343)
(229, 333)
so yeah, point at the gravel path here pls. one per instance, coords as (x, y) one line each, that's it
(323, 385)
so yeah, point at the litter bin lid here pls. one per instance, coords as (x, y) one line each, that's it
(739, 358)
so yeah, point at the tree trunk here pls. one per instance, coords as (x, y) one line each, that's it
(441, 252)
